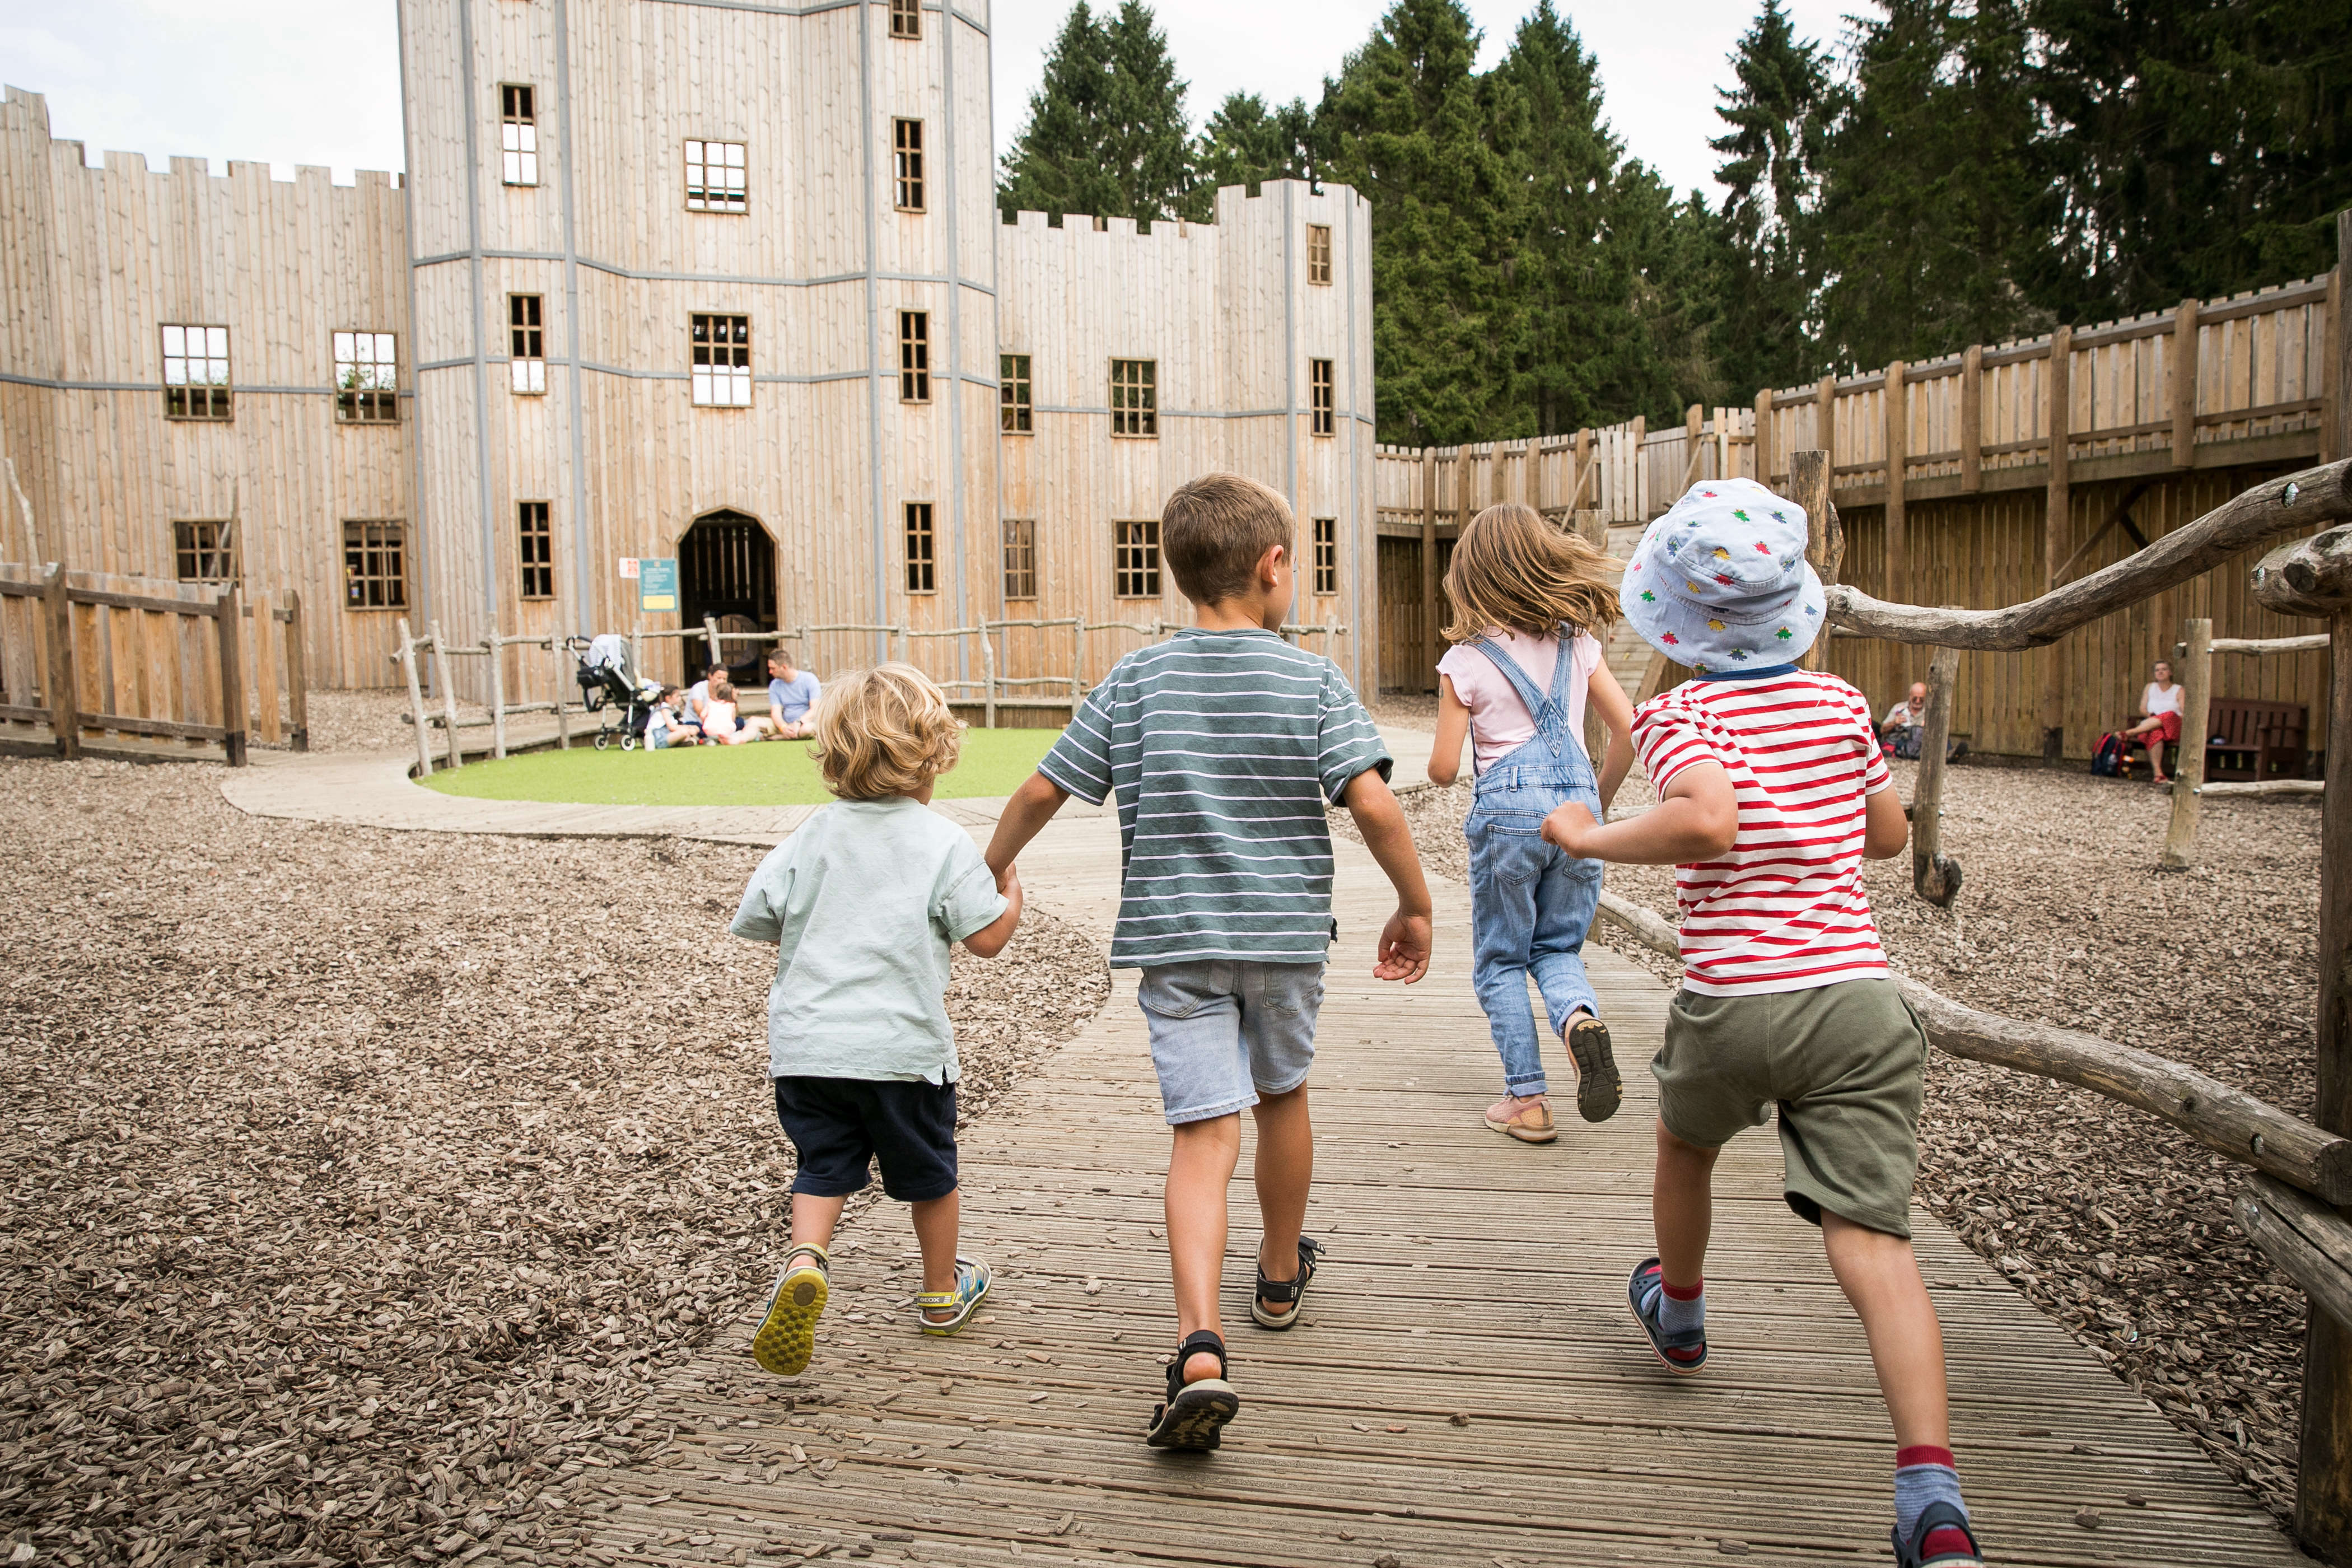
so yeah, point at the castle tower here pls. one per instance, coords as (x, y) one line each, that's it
(702, 282)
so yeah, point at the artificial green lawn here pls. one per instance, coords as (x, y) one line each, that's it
(766, 772)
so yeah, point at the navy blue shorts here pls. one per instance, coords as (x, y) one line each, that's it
(840, 1125)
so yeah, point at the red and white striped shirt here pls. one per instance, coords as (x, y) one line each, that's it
(1785, 910)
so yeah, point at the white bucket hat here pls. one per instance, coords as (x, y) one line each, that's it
(1721, 582)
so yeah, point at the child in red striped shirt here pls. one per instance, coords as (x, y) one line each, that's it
(1772, 791)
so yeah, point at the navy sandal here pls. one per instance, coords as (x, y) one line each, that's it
(1682, 1352)
(1194, 1417)
(1279, 1291)
(1957, 1548)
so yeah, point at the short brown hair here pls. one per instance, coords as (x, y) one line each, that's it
(1213, 530)
(884, 731)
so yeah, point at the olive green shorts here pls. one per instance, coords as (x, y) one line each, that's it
(1843, 1062)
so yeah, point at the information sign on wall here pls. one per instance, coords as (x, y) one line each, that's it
(658, 586)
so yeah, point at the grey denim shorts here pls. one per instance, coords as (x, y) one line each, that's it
(1225, 1031)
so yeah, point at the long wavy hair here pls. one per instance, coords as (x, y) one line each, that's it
(1511, 569)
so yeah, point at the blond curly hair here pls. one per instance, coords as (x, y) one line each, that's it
(1512, 570)
(884, 731)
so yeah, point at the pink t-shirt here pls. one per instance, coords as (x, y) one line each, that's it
(1499, 722)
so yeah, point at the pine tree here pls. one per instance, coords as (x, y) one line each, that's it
(1107, 133)
(1931, 208)
(1674, 247)
(1247, 143)
(1432, 145)
(1772, 156)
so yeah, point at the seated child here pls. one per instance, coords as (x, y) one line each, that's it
(863, 901)
(697, 696)
(1771, 794)
(721, 725)
(664, 727)
(1224, 746)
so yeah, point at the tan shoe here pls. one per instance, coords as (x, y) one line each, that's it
(1530, 1122)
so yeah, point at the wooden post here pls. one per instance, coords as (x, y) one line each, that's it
(1763, 444)
(444, 674)
(2189, 776)
(2184, 384)
(2056, 529)
(498, 693)
(65, 696)
(1898, 539)
(407, 656)
(1809, 487)
(1935, 876)
(1972, 419)
(298, 674)
(1428, 680)
(267, 726)
(1583, 473)
(1825, 422)
(230, 619)
(2339, 357)
(564, 687)
(2322, 1500)
(988, 673)
(1694, 444)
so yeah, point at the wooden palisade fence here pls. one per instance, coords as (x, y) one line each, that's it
(2292, 1208)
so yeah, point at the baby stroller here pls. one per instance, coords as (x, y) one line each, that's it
(608, 686)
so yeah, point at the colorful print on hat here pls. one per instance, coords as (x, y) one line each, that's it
(1721, 582)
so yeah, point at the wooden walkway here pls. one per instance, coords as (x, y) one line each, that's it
(1466, 1387)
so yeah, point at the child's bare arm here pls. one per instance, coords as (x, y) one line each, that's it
(1404, 941)
(1697, 820)
(1608, 700)
(1884, 829)
(1029, 808)
(1453, 724)
(990, 940)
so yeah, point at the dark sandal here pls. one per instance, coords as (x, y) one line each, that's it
(1194, 1417)
(1598, 1089)
(1279, 1291)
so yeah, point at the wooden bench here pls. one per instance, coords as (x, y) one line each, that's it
(2250, 738)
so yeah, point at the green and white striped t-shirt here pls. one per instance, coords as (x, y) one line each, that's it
(1222, 747)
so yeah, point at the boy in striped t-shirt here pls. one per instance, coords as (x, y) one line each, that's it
(1772, 792)
(1223, 746)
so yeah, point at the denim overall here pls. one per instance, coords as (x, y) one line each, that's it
(1530, 901)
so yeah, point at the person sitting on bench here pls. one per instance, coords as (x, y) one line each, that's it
(2163, 703)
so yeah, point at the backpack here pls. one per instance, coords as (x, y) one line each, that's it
(2107, 757)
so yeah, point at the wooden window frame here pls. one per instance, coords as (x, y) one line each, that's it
(914, 356)
(1135, 399)
(1322, 397)
(518, 134)
(1324, 532)
(1015, 406)
(534, 550)
(369, 541)
(527, 345)
(1019, 537)
(922, 546)
(1318, 255)
(906, 19)
(1135, 558)
(367, 381)
(734, 195)
(198, 543)
(719, 359)
(909, 193)
(211, 398)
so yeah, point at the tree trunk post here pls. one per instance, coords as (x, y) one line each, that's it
(1825, 425)
(2056, 529)
(710, 637)
(2322, 1500)
(234, 718)
(1898, 537)
(1935, 876)
(407, 656)
(2335, 419)
(497, 693)
(443, 677)
(1972, 419)
(1428, 675)
(297, 673)
(1762, 446)
(1809, 487)
(2184, 384)
(2188, 773)
(65, 696)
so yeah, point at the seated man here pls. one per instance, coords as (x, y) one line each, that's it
(792, 693)
(1905, 720)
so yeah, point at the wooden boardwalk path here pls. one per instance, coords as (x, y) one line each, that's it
(1467, 1389)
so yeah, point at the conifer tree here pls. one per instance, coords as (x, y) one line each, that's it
(1245, 142)
(1147, 140)
(1410, 125)
(1776, 115)
(1105, 134)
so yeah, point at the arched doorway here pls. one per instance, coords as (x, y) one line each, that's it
(727, 571)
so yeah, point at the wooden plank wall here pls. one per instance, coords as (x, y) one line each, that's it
(94, 261)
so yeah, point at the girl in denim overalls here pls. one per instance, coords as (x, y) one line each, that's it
(1529, 604)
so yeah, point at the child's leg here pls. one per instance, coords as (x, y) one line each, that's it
(1502, 929)
(937, 1224)
(813, 1219)
(1682, 1209)
(1286, 1171)
(1566, 897)
(1880, 1276)
(1200, 1169)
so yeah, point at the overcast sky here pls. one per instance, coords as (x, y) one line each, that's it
(317, 81)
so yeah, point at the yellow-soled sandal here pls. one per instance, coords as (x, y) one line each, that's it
(786, 1337)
